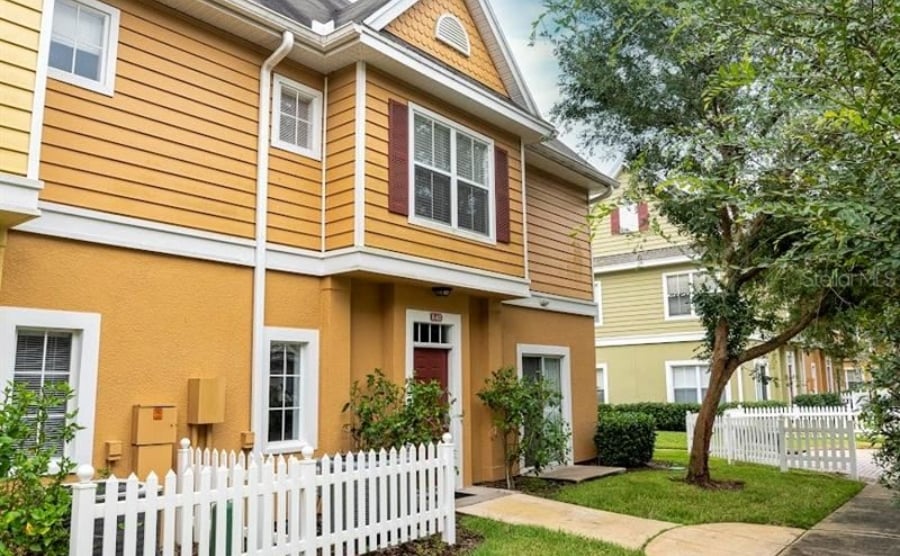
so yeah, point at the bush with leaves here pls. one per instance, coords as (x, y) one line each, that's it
(669, 416)
(826, 399)
(383, 414)
(526, 416)
(36, 505)
(625, 439)
(882, 415)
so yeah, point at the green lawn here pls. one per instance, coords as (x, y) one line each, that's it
(795, 499)
(502, 539)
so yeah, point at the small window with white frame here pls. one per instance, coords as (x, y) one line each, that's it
(42, 348)
(83, 44)
(290, 407)
(598, 300)
(688, 381)
(629, 220)
(452, 178)
(678, 291)
(296, 118)
(602, 383)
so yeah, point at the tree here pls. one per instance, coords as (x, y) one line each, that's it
(722, 130)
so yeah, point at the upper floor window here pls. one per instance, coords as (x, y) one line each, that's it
(678, 291)
(83, 44)
(451, 181)
(630, 218)
(598, 299)
(296, 122)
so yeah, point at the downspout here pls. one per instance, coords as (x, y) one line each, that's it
(262, 222)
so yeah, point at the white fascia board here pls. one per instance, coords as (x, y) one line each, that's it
(388, 13)
(442, 78)
(650, 339)
(650, 263)
(555, 304)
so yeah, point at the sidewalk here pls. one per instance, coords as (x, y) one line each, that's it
(665, 539)
(867, 525)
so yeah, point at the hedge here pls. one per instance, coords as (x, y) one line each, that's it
(818, 400)
(670, 416)
(625, 439)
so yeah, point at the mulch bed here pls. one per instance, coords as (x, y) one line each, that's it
(466, 541)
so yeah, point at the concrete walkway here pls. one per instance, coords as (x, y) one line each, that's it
(866, 467)
(867, 525)
(665, 539)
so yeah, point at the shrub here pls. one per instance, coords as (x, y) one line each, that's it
(385, 415)
(818, 400)
(520, 416)
(670, 416)
(625, 439)
(35, 503)
(766, 403)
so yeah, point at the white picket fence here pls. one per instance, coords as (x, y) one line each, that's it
(820, 442)
(801, 411)
(226, 504)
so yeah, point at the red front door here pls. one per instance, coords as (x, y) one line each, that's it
(431, 364)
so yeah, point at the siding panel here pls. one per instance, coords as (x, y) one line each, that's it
(340, 158)
(19, 36)
(559, 260)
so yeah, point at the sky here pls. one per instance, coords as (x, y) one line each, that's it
(540, 69)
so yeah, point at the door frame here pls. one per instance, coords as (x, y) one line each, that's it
(454, 372)
(565, 384)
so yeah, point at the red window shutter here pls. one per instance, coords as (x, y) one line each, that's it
(398, 157)
(614, 221)
(643, 217)
(501, 189)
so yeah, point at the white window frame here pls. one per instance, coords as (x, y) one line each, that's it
(604, 368)
(315, 120)
(763, 362)
(565, 382)
(85, 329)
(665, 287)
(107, 83)
(309, 389)
(629, 213)
(670, 379)
(598, 300)
(453, 227)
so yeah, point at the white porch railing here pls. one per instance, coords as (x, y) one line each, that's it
(803, 441)
(226, 504)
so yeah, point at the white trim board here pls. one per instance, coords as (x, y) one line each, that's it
(650, 339)
(556, 304)
(38, 101)
(641, 263)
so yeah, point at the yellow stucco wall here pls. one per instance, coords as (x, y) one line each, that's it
(417, 25)
(20, 26)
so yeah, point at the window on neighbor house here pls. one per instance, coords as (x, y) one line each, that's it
(598, 299)
(50, 348)
(83, 44)
(679, 289)
(628, 218)
(291, 408)
(854, 378)
(296, 122)
(601, 384)
(761, 377)
(451, 176)
(689, 382)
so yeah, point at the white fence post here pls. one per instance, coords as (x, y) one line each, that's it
(308, 500)
(850, 425)
(782, 445)
(84, 495)
(447, 463)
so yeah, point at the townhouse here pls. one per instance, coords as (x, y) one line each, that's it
(218, 214)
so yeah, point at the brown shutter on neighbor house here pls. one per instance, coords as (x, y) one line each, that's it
(643, 217)
(614, 221)
(501, 187)
(398, 157)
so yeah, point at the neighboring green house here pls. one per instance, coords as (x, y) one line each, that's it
(648, 337)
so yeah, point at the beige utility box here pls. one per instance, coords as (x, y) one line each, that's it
(153, 424)
(156, 458)
(206, 401)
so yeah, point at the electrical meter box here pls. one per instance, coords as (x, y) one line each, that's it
(154, 424)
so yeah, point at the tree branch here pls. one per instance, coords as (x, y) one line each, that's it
(774, 343)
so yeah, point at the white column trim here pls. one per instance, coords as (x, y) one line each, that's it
(39, 97)
(359, 183)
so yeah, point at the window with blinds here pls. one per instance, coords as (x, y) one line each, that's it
(296, 118)
(44, 359)
(451, 174)
(679, 291)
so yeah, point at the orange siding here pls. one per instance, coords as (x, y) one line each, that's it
(559, 253)
(177, 141)
(416, 26)
(340, 158)
(390, 231)
(295, 184)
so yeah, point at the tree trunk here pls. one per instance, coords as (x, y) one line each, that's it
(720, 371)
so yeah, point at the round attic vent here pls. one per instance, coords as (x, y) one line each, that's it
(450, 30)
